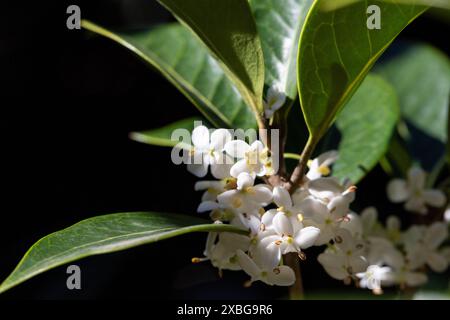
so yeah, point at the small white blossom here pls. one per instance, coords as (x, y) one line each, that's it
(254, 158)
(373, 277)
(422, 246)
(345, 259)
(246, 197)
(414, 193)
(265, 267)
(207, 151)
(274, 101)
(320, 166)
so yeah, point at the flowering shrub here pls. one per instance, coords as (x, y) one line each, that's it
(244, 64)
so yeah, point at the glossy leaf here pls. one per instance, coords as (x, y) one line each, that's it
(163, 136)
(334, 5)
(186, 63)
(228, 29)
(105, 234)
(366, 125)
(279, 24)
(421, 76)
(336, 52)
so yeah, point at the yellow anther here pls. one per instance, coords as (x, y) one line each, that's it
(250, 190)
(261, 211)
(300, 217)
(324, 170)
(289, 240)
(196, 260)
(309, 163)
(236, 203)
(280, 209)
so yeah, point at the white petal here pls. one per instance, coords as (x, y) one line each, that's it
(397, 190)
(353, 224)
(199, 170)
(237, 148)
(415, 279)
(307, 237)
(244, 180)
(393, 223)
(281, 197)
(328, 158)
(435, 235)
(346, 243)
(267, 218)
(339, 206)
(263, 194)
(416, 204)
(257, 146)
(219, 167)
(358, 264)
(283, 225)
(268, 258)
(416, 178)
(248, 265)
(334, 265)
(325, 188)
(369, 217)
(227, 197)
(207, 206)
(311, 207)
(219, 138)
(437, 262)
(435, 198)
(200, 137)
(239, 167)
(282, 276)
(210, 241)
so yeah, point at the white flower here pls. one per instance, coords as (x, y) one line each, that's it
(253, 158)
(221, 249)
(373, 277)
(274, 101)
(213, 188)
(283, 200)
(422, 246)
(402, 272)
(246, 197)
(414, 193)
(208, 150)
(324, 217)
(320, 166)
(345, 258)
(285, 227)
(337, 197)
(265, 267)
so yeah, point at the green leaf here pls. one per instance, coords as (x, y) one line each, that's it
(186, 63)
(366, 125)
(334, 5)
(279, 24)
(228, 29)
(421, 76)
(163, 136)
(104, 234)
(336, 52)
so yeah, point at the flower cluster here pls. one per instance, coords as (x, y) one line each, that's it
(358, 247)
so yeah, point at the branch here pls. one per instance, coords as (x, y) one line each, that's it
(298, 174)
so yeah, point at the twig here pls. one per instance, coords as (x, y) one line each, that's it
(296, 290)
(299, 171)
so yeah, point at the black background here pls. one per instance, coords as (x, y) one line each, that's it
(68, 103)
